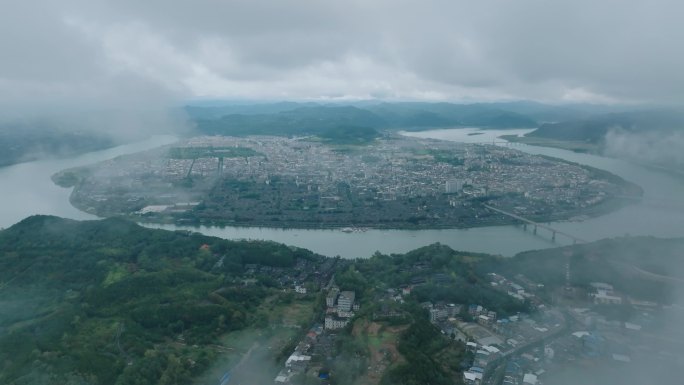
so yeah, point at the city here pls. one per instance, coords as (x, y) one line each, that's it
(395, 182)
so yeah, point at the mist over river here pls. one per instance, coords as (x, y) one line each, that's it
(27, 189)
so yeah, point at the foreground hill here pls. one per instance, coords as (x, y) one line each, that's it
(110, 302)
(103, 302)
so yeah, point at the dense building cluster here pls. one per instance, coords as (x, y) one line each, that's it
(396, 168)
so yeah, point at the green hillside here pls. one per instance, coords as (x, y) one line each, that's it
(109, 302)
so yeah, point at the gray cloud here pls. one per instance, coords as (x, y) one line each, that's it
(138, 53)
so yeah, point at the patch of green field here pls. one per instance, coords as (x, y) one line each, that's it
(286, 309)
(115, 274)
(378, 340)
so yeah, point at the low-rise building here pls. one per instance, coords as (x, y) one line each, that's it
(332, 323)
(603, 298)
(300, 289)
(438, 314)
(345, 314)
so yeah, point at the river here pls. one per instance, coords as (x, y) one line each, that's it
(27, 189)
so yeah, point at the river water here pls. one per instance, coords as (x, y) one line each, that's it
(26, 189)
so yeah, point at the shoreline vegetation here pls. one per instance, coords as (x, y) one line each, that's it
(500, 220)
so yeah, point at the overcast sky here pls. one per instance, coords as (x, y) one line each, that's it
(128, 52)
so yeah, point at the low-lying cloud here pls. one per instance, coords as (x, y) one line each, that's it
(662, 148)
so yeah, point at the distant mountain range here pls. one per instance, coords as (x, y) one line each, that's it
(300, 121)
(288, 118)
(575, 122)
(357, 122)
(110, 302)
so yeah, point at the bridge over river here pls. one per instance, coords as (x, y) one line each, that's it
(536, 225)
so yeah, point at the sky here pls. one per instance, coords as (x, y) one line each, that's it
(130, 53)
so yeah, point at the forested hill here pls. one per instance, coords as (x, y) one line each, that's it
(644, 268)
(103, 302)
(485, 115)
(111, 303)
(24, 143)
(299, 121)
(121, 240)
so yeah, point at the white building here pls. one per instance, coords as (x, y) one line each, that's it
(296, 358)
(332, 323)
(346, 300)
(601, 286)
(453, 186)
(300, 289)
(472, 377)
